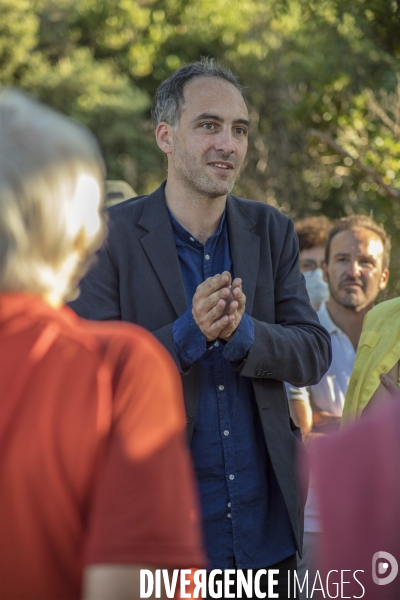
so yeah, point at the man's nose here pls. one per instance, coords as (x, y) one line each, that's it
(225, 141)
(354, 268)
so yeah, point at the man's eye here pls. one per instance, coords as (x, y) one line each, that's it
(241, 130)
(308, 265)
(209, 126)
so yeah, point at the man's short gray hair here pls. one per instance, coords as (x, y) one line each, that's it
(51, 193)
(169, 97)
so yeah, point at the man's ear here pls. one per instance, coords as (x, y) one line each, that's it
(164, 137)
(384, 279)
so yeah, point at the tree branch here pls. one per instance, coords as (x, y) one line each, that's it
(390, 190)
(381, 113)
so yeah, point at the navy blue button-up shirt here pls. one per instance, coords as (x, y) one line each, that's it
(245, 521)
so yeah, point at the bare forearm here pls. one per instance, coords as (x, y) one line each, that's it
(322, 418)
(301, 414)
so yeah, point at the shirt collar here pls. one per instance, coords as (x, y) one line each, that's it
(186, 236)
(325, 319)
(17, 304)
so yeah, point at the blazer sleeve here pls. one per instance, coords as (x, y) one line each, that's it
(295, 348)
(99, 300)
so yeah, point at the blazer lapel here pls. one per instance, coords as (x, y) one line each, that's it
(245, 248)
(159, 245)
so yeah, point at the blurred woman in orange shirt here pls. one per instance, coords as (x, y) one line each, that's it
(95, 476)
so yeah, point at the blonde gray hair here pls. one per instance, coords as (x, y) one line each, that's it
(51, 193)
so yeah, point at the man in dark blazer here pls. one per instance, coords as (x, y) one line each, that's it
(216, 279)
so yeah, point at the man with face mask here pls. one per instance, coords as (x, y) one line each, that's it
(356, 270)
(313, 233)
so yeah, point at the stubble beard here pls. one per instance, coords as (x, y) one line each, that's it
(212, 189)
(196, 180)
(200, 183)
(349, 301)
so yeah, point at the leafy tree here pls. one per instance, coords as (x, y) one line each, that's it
(18, 36)
(322, 78)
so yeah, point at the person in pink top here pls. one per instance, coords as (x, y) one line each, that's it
(357, 475)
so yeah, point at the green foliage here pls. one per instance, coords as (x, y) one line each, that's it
(322, 78)
(18, 36)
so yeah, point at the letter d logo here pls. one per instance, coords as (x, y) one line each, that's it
(383, 567)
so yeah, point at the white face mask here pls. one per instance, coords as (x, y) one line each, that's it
(317, 288)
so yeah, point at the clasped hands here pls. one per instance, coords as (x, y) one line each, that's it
(218, 306)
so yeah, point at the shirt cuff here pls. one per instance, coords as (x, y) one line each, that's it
(243, 339)
(296, 393)
(189, 341)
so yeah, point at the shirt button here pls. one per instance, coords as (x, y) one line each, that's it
(231, 477)
(229, 504)
(216, 344)
(221, 388)
(207, 257)
(229, 515)
(191, 239)
(226, 432)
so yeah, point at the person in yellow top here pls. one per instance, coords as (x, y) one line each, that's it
(378, 352)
